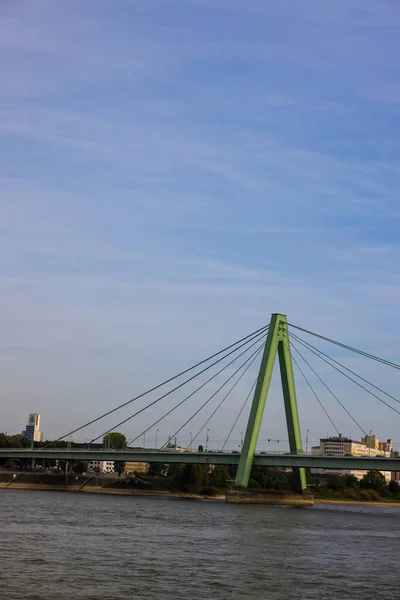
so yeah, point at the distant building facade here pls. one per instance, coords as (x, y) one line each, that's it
(336, 446)
(173, 447)
(371, 441)
(107, 466)
(395, 474)
(102, 466)
(32, 430)
(136, 467)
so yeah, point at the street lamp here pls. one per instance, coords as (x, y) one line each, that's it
(207, 439)
(156, 438)
(308, 431)
(191, 440)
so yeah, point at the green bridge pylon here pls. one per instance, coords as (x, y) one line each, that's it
(277, 343)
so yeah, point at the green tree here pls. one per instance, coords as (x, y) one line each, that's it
(192, 478)
(374, 495)
(171, 470)
(336, 482)
(310, 480)
(174, 471)
(119, 467)
(269, 479)
(56, 444)
(309, 477)
(19, 441)
(394, 488)
(219, 478)
(374, 480)
(350, 493)
(116, 441)
(157, 469)
(200, 448)
(13, 441)
(4, 441)
(351, 481)
(79, 467)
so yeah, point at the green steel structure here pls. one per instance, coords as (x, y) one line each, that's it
(277, 343)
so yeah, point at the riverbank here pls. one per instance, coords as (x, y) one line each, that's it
(272, 498)
(358, 503)
(94, 484)
(132, 486)
(111, 491)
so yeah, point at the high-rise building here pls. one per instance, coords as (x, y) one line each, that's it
(32, 430)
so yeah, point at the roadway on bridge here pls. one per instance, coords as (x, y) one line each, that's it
(308, 461)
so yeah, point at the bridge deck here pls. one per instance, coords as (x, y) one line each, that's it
(216, 458)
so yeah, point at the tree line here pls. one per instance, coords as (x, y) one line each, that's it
(372, 487)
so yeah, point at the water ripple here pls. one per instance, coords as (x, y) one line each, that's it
(81, 547)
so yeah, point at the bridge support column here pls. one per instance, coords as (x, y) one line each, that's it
(290, 400)
(277, 342)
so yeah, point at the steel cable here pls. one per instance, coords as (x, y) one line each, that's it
(215, 393)
(249, 338)
(313, 391)
(228, 393)
(348, 376)
(190, 395)
(366, 354)
(240, 412)
(181, 385)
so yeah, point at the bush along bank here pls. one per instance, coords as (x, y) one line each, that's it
(373, 487)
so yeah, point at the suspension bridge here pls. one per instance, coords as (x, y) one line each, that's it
(277, 339)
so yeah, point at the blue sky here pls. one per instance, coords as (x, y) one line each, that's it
(174, 171)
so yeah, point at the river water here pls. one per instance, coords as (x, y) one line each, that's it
(66, 546)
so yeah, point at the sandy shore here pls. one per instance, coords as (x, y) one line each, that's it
(102, 490)
(358, 503)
